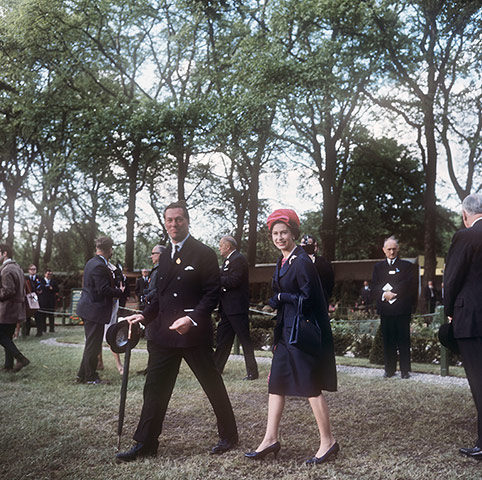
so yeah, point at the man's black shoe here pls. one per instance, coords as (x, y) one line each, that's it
(405, 375)
(388, 375)
(475, 452)
(138, 450)
(223, 446)
(251, 376)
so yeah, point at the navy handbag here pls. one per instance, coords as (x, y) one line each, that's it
(306, 334)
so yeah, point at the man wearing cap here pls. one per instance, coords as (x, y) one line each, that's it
(95, 308)
(179, 327)
(394, 288)
(234, 308)
(462, 302)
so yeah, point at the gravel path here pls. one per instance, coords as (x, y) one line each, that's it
(358, 371)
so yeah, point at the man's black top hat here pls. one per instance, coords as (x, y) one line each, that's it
(117, 336)
(446, 337)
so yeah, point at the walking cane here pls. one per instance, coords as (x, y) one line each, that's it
(122, 338)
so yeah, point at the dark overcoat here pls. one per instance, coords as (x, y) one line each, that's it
(235, 285)
(299, 278)
(463, 282)
(98, 291)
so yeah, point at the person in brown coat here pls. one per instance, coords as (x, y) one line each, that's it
(12, 307)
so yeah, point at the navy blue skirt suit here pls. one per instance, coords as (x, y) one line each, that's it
(294, 372)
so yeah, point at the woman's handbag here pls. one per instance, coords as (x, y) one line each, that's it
(306, 334)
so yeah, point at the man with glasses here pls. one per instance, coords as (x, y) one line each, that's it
(156, 253)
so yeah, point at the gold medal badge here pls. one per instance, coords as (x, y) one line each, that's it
(178, 261)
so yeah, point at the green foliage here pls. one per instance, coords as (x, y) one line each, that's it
(376, 353)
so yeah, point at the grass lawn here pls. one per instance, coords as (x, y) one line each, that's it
(52, 428)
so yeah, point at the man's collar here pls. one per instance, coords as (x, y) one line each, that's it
(181, 243)
(475, 221)
(230, 253)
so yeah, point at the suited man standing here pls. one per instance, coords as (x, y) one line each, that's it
(393, 287)
(95, 308)
(431, 296)
(33, 284)
(234, 308)
(141, 284)
(48, 299)
(462, 302)
(151, 290)
(179, 327)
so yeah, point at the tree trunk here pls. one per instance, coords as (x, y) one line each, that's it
(253, 206)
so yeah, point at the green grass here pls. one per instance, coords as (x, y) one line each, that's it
(387, 429)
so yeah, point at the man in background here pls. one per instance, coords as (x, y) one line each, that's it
(95, 308)
(141, 284)
(234, 308)
(48, 300)
(394, 289)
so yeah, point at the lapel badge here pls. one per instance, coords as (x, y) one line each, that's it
(178, 261)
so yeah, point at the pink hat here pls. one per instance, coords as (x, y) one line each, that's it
(286, 216)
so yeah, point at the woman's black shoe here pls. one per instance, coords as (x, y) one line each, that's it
(275, 448)
(138, 450)
(332, 452)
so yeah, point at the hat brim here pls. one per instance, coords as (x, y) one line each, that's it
(446, 337)
(117, 336)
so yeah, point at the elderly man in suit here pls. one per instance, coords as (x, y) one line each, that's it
(462, 302)
(95, 308)
(12, 308)
(394, 288)
(179, 327)
(234, 308)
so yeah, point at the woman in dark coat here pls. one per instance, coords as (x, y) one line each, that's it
(294, 372)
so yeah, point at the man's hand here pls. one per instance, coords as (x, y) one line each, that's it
(181, 325)
(136, 318)
(389, 296)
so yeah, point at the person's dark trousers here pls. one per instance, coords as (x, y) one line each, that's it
(94, 334)
(6, 341)
(396, 335)
(26, 326)
(40, 323)
(471, 350)
(51, 321)
(162, 371)
(228, 327)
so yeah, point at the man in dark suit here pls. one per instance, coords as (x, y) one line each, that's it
(179, 327)
(462, 302)
(366, 296)
(33, 284)
(151, 290)
(234, 308)
(431, 297)
(141, 284)
(48, 299)
(95, 308)
(394, 289)
(323, 266)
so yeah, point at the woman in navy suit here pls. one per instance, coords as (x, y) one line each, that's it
(294, 372)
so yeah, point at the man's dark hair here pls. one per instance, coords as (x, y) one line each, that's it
(104, 244)
(179, 204)
(6, 248)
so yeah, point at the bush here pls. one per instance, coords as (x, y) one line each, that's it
(342, 337)
(376, 352)
(362, 346)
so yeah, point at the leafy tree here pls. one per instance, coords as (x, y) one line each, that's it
(425, 46)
